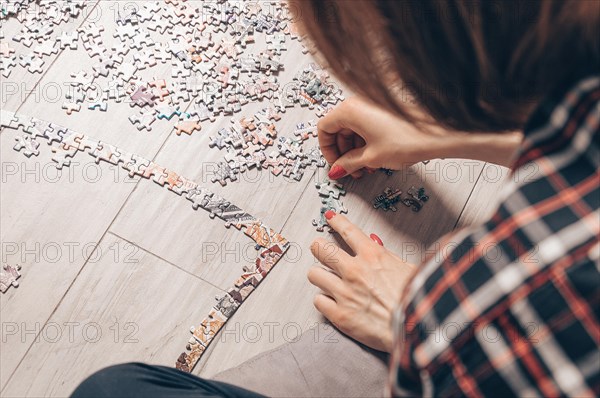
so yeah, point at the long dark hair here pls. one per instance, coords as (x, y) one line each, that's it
(472, 65)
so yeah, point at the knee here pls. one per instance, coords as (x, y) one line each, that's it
(109, 382)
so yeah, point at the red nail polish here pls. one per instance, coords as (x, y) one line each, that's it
(337, 172)
(376, 239)
(329, 214)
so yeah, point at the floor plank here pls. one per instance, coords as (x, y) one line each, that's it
(127, 306)
(45, 226)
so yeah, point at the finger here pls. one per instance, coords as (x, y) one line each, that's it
(349, 163)
(342, 119)
(352, 235)
(359, 142)
(329, 147)
(329, 254)
(338, 121)
(325, 280)
(345, 143)
(326, 306)
(344, 116)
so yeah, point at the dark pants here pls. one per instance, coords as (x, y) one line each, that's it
(141, 380)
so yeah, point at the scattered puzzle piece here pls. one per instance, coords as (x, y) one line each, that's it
(8, 277)
(28, 145)
(187, 126)
(143, 120)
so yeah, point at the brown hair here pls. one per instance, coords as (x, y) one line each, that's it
(473, 65)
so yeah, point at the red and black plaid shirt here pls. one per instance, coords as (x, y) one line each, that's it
(513, 307)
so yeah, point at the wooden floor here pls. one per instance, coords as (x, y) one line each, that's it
(117, 270)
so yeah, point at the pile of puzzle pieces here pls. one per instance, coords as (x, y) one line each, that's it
(40, 28)
(216, 66)
(215, 70)
(271, 245)
(248, 138)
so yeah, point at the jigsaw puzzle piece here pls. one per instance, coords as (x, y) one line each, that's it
(143, 120)
(8, 119)
(215, 205)
(295, 168)
(198, 196)
(137, 165)
(314, 157)
(275, 162)
(63, 155)
(226, 305)
(142, 97)
(388, 199)
(208, 328)
(305, 130)
(330, 188)
(270, 256)
(106, 152)
(187, 126)
(156, 171)
(291, 149)
(170, 179)
(185, 186)
(167, 112)
(8, 277)
(159, 89)
(187, 360)
(264, 236)
(28, 145)
(71, 107)
(224, 172)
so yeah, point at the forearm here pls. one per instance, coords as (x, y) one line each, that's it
(494, 148)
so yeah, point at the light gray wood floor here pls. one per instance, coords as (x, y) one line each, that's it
(117, 270)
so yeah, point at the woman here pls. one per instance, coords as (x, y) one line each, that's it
(476, 70)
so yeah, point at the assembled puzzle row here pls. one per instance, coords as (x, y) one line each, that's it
(271, 244)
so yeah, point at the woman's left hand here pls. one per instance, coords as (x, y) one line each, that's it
(360, 291)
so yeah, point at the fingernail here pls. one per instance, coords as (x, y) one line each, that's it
(337, 172)
(329, 214)
(376, 239)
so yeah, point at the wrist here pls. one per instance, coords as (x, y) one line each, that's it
(497, 148)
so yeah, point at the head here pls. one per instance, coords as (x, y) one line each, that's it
(471, 65)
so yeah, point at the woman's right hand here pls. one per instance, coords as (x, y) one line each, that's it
(357, 134)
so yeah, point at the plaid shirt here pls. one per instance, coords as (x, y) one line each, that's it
(512, 307)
